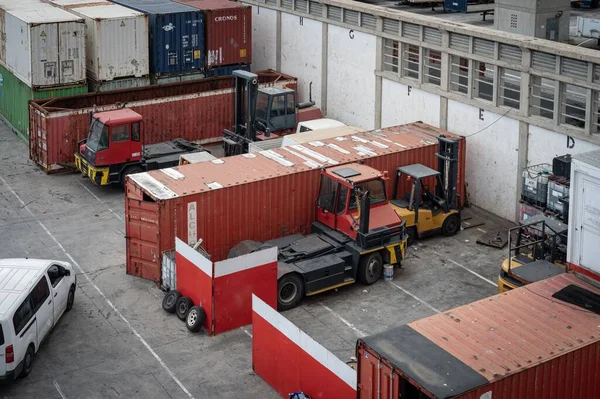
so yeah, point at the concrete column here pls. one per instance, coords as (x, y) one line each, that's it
(278, 41)
(324, 53)
(444, 80)
(525, 84)
(521, 161)
(378, 79)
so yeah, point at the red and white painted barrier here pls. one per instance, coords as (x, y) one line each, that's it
(291, 361)
(224, 289)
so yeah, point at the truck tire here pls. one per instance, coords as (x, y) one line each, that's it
(195, 318)
(370, 268)
(170, 299)
(183, 307)
(129, 171)
(451, 225)
(290, 290)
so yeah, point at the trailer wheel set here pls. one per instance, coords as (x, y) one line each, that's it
(183, 307)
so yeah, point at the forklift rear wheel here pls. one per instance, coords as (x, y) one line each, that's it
(183, 307)
(290, 290)
(370, 268)
(411, 232)
(129, 171)
(450, 226)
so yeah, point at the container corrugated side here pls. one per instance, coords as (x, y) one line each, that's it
(116, 39)
(44, 45)
(14, 97)
(195, 110)
(277, 200)
(176, 38)
(228, 28)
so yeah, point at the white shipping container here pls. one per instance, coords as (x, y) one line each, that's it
(42, 45)
(116, 38)
(583, 247)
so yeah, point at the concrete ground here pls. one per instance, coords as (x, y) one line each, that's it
(118, 342)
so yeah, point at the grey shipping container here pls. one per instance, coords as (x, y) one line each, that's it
(176, 35)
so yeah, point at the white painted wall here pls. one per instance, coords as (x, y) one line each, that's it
(492, 157)
(544, 145)
(264, 24)
(301, 54)
(399, 107)
(351, 77)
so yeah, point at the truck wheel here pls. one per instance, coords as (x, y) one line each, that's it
(195, 318)
(170, 299)
(129, 171)
(450, 226)
(370, 268)
(183, 307)
(290, 290)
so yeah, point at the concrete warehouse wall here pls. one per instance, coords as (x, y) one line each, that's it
(349, 83)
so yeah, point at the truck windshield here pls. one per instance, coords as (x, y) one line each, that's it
(262, 106)
(98, 138)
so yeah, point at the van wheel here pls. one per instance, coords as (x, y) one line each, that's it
(27, 362)
(170, 299)
(71, 298)
(195, 318)
(183, 307)
(290, 290)
(370, 268)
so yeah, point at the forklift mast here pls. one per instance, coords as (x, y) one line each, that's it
(244, 111)
(448, 168)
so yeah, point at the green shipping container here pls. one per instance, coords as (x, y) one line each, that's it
(14, 97)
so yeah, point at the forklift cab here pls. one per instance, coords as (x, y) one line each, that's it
(114, 138)
(276, 109)
(338, 204)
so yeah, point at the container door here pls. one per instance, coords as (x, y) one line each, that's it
(143, 237)
(71, 52)
(388, 383)
(368, 377)
(44, 55)
(587, 234)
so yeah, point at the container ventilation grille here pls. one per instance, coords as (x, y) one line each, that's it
(391, 26)
(574, 68)
(302, 5)
(543, 61)
(288, 4)
(369, 21)
(432, 35)
(316, 9)
(459, 42)
(510, 53)
(483, 47)
(351, 17)
(334, 13)
(411, 31)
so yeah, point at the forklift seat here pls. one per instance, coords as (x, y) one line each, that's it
(400, 203)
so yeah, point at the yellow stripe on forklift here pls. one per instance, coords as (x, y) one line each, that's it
(331, 288)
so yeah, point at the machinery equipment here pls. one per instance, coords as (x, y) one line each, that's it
(263, 114)
(114, 148)
(426, 213)
(538, 252)
(356, 232)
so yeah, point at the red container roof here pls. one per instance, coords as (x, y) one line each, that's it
(241, 169)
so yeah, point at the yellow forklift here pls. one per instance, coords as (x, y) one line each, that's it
(428, 213)
(537, 252)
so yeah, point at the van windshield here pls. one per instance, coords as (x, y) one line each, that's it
(98, 138)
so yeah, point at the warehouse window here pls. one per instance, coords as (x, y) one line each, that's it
(596, 111)
(542, 97)
(483, 80)
(509, 92)
(432, 62)
(459, 74)
(410, 61)
(390, 55)
(572, 105)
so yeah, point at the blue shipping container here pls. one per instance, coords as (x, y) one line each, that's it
(176, 35)
(456, 5)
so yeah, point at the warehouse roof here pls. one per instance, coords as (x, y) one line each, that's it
(242, 169)
(487, 340)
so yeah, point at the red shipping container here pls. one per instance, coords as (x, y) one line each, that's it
(228, 31)
(539, 341)
(195, 110)
(257, 196)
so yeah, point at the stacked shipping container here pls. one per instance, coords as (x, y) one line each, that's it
(196, 111)
(116, 43)
(176, 37)
(42, 55)
(256, 196)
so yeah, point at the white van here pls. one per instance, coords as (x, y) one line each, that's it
(34, 293)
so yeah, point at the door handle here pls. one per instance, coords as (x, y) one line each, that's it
(50, 301)
(55, 294)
